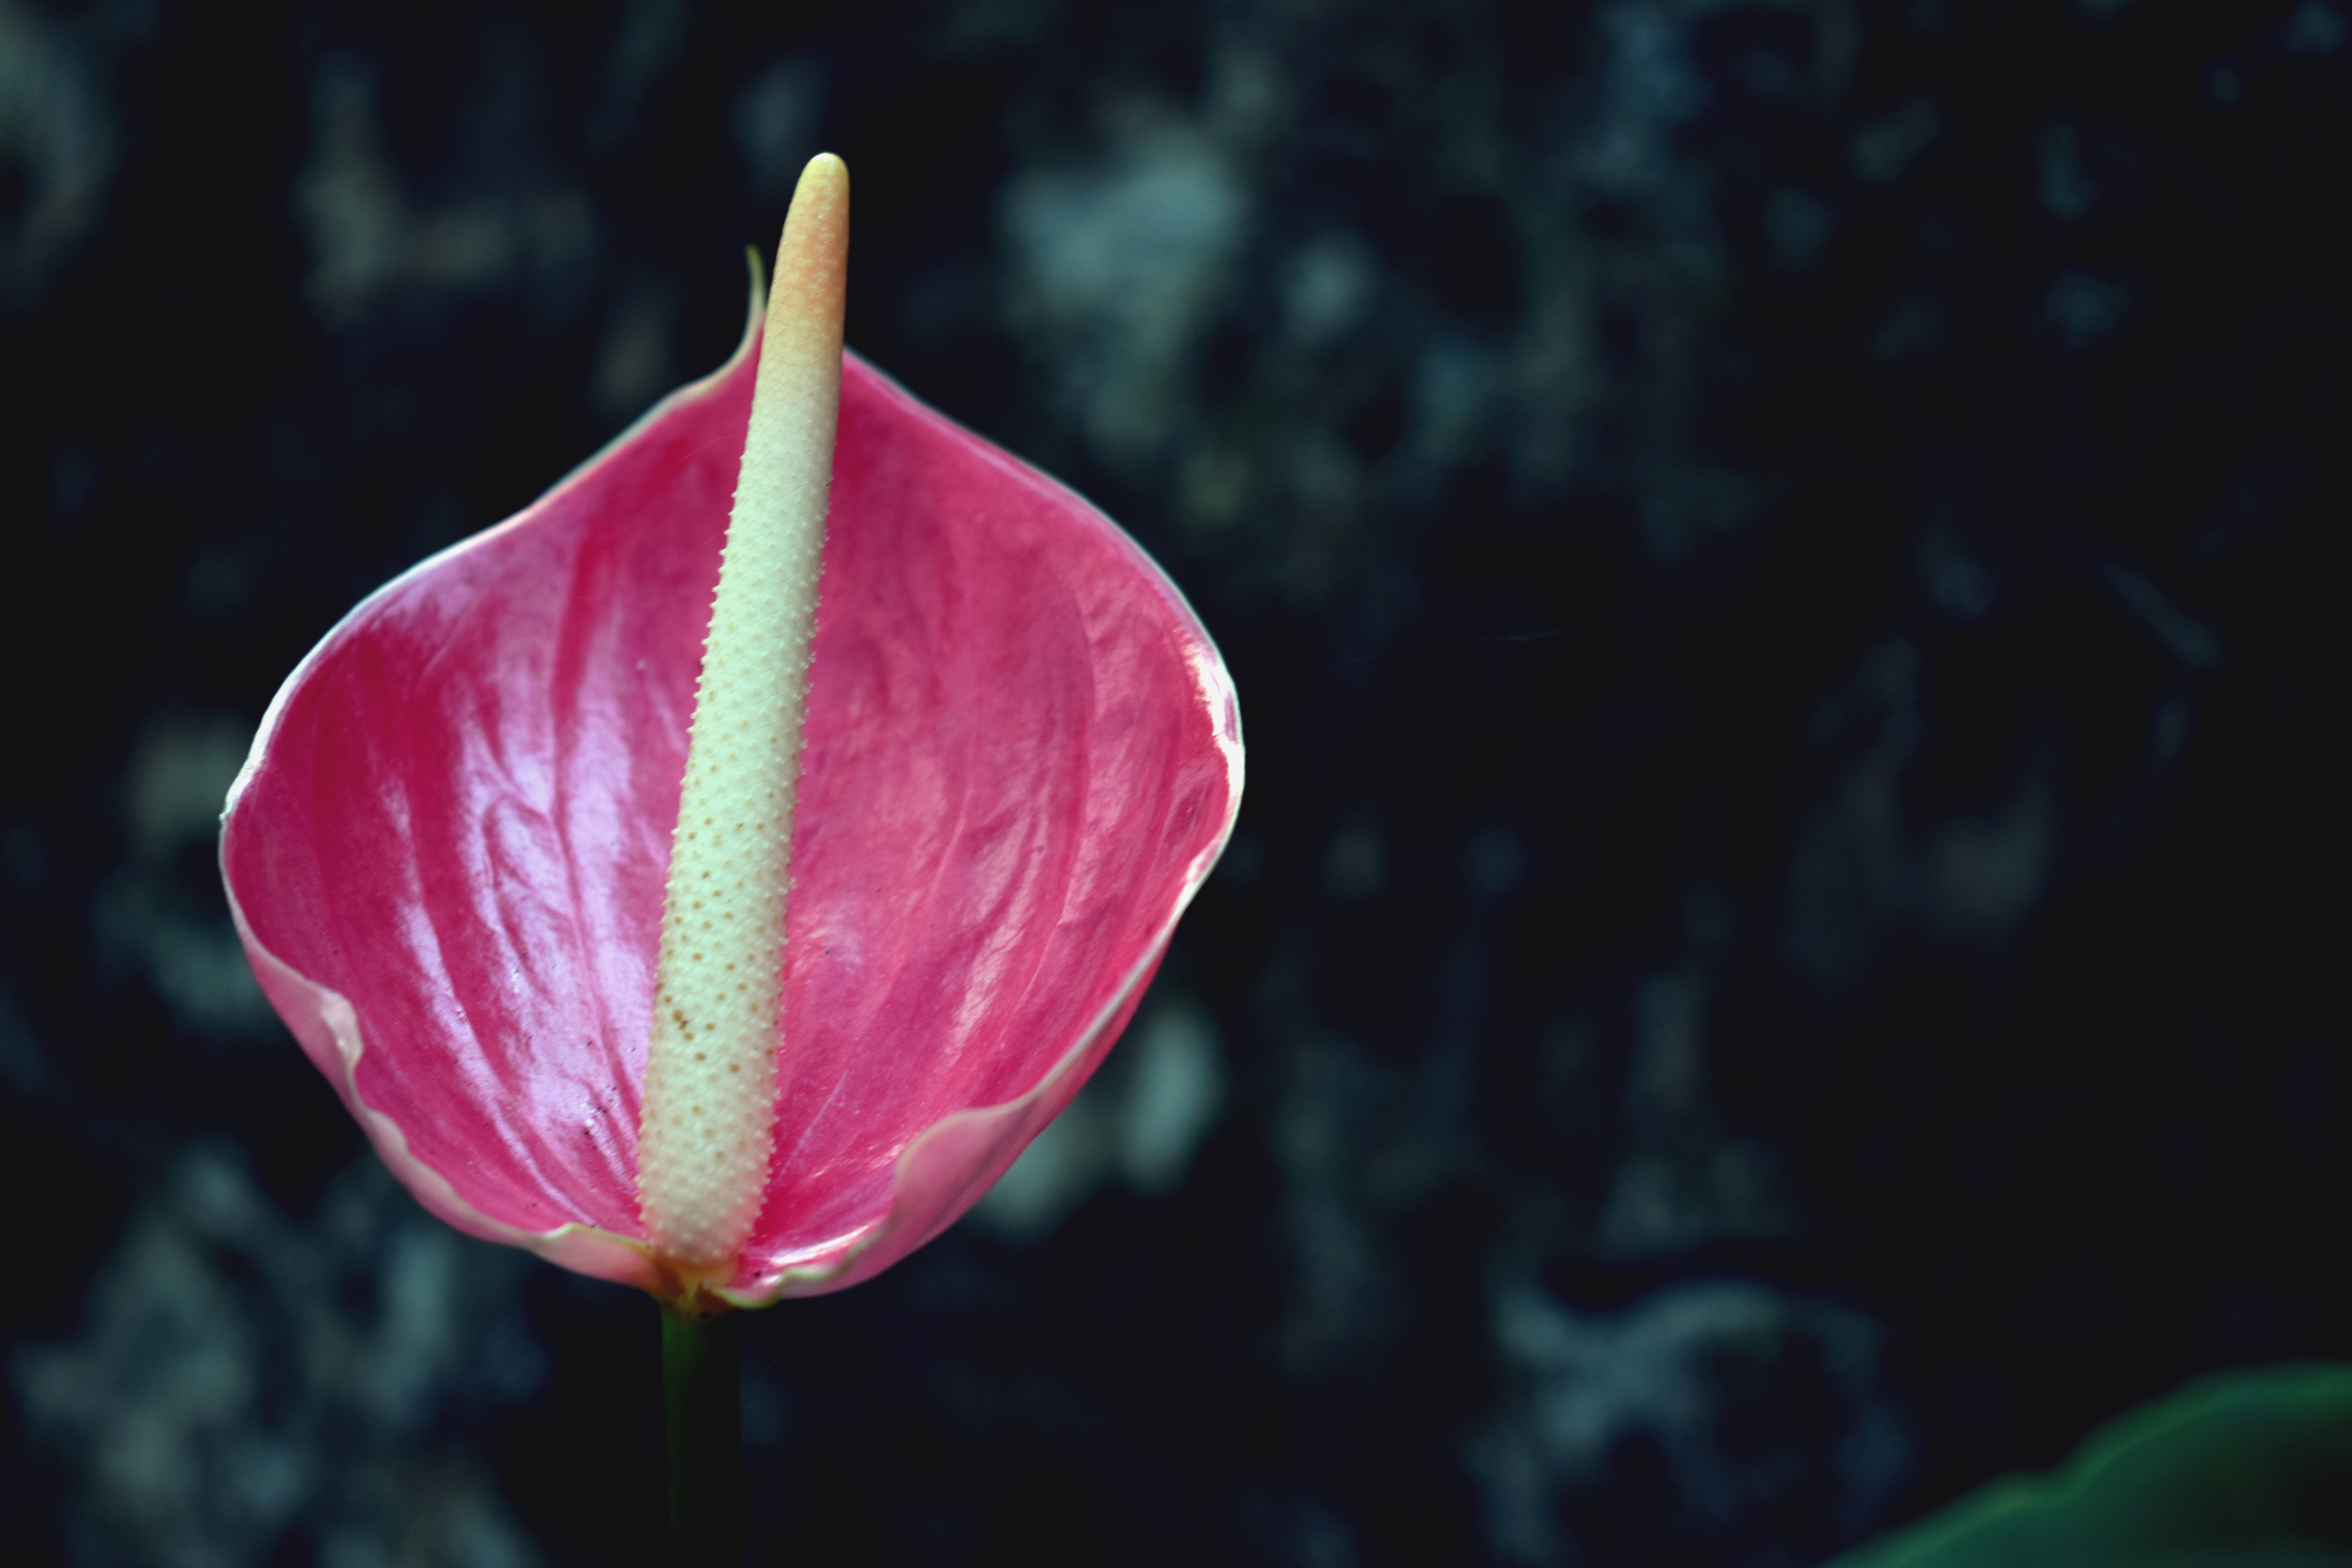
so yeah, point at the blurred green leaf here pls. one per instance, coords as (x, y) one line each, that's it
(2247, 1469)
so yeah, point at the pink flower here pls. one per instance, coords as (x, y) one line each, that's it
(446, 853)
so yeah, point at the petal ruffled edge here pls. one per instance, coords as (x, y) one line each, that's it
(327, 1028)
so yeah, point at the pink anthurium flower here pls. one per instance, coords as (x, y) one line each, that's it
(447, 853)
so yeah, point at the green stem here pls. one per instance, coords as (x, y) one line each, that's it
(701, 1355)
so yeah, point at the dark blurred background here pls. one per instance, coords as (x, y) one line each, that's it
(1784, 952)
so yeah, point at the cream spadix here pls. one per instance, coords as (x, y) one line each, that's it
(711, 1069)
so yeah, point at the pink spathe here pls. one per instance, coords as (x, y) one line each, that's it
(446, 852)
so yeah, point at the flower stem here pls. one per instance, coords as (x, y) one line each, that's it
(701, 1357)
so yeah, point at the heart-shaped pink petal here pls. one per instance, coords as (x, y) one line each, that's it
(446, 852)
